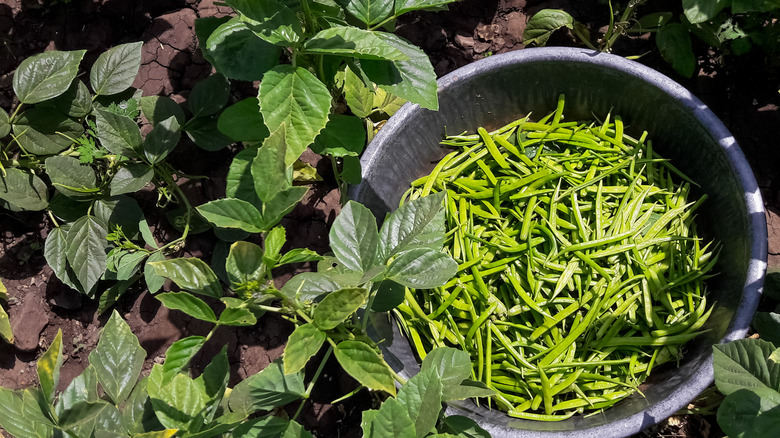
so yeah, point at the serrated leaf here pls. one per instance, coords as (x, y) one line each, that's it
(422, 268)
(16, 418)
(418, 224)
(337, 306)
(204, 132)
(364, 364)
(70, 177)
(120, 211)
(281, 204)
(270, 20)
(342, 136)
(353, 42)
(115, 69)
(43, 130)
(238, 53)
(369, 11)
(46, 75)
(232, 213)
(699, 11)
(240, 182)
(55, 251)
(83, 387)
(299, 255)
(304, 342)
(390, 421)
(117, 359)
(190, 274)
(214, 381)
(359, 97)
(162, 139)
(266, 427)
(178, 403)
(294, 101)
(244, 263)
(237, 317)
(158, 108)
(422, 397)
(451, 364)
(209, 95)
(75, 102)
(744, 364)
(542, 25)
(412, 79)
(354, 237)
(404, 6)
(674, 43)
(82, 413)
(178, 356)
(119, 134)
(189, 304)
(269, 170)
(243, 121)
(272, 388)
(131, 178)
(86, 250)
(23, 189)
(48, 368)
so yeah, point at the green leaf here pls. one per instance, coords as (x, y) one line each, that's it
(270, 20)
(204, 27)
(154, 281)
(83, 387)
(232, 213)
(244, 263)
(413, 79)
(70, 177)
(304, 342)
(5, 327)
(240, 182)
(342, 136)
(299, 255)
(451, 364)
(353, 42)
(203, 131)
(18, 416)
(744, 364)
(111, 296)
(743, 6)
(295, 430)
(189, 304)
(364, 364)
(119, 134)
(281, 204)
(158, 108)
(131, 178)
(48, 368)
(337, 306)
(178, 356)
(422, 268)
(295, 102)
(214, 380)
(238, 53)
(5, 125)
(309, 285)
(269, 170)
(404, 6)
(767, 324)
(76, 102)
(115, 69)
(55, 251)
(463, 427)
(266, 427)
(162, 139)
(272, 388)
(238, 317)
(674, 42)
(23, 189)
(389, 295)
(86, 250)
(45, 76)
(209, 95)
(359, 97)
(43, 130)
(745, 414)
(544, 23)
(117, 359)
(190, 274)
(178, 403)
(699, 11)
(467, 389)
(243, 121)
(354, 237)
(274, 241)
(418, 224)
(68, 209)
(82, 413)
(369, 11)
(390, 421)
(120, 211)
(137, 410)
(421, 396)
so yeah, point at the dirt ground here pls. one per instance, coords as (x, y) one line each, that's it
(739, 91)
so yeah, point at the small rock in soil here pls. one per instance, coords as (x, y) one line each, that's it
(28, 323)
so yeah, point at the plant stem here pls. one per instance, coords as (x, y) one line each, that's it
(339, 180)
(313, 381)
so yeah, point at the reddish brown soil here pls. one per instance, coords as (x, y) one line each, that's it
(739, 91)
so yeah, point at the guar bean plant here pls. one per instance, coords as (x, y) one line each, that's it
(76, 151)
(310, 54)
(729, 26)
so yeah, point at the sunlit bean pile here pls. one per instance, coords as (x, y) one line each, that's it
(580, 268)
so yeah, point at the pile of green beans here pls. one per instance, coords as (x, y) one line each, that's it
(580, 268)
